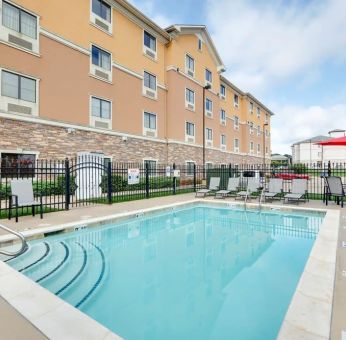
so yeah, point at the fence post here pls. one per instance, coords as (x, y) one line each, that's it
(109, 182)
(194, 177)
(67, 184)
(174, 181)
(147, 180)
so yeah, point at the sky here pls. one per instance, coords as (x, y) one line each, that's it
(290, 54)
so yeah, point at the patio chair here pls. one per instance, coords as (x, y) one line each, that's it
(335, 188)
(299, 191)
(22, 195)
(232, 187)
(252, 187)
(275, 189)
(214, 185)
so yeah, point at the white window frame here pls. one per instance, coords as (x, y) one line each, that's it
(223, 146)
(236, 148)
(258, 149)
(149, 159)
(187, 70)
(93, 119)
(5, 31)
(94, 68)
(235, 103)
(209, 142)
(223, 96)
(199, 44)
(186, 162)
(251, 148)
(146, 48)
(209, 113)
(146, 89)
(251, 106)
(94, 16)
(4, 100)
(266, 117)
(258, 130)
(258, 112)
(208, 82)
(149, 130)
(187, 137)
(187, 103)
(236, 123)
(223, 121)
(251, 129)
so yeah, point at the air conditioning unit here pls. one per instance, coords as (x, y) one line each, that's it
(20, 42)
(190, 140)
(102, 24)
(223, 147)
(102, 125)
(101, 74)
(150, 93)
(236, 128)
(222, 96)
(209, 143)
(19, 108)
(223, 122)
(236, 149)
(150, 133)
(150, 53)
(190, 106)
(209, 114)
(190, 73)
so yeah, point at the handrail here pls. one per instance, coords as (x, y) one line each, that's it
(260, 199)
(23, 248)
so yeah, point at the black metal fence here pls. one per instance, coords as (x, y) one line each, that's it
(88, 180)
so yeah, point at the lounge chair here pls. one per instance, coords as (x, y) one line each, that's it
(232, 187)
(252, 187)
(22, 195)
(299, 191)
(274, 190)
(214, 185)
(335, 188)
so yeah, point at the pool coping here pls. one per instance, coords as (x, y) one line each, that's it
(48, 313)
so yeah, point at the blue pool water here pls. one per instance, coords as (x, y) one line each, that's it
(199, 272)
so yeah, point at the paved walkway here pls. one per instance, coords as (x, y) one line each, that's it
(88, 212)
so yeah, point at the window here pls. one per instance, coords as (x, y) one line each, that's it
(209, 165)
(223, 139)
(149, 81)
(251, 107)
(258, 112)
(102, 9)
(190, 129)
(251, 147)
(199, 44)
(151, 164)
(18, 20)
(266, 118)
(223, 117)
(190, 65)
(208, 134)
(17, 165)
(258, 148)
(236, 122)
(208, 76)
(18, 87)
(190, 167)
(223, 91)
(149, 121)
(101, 58)
(251, 128)
(149, 41)
(236, 100)
(208, 105)
(190, 97)
(236, 145)
(258, 130)
(100, 108)
(266, 150)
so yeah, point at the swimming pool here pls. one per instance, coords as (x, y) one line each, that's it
(195, 272)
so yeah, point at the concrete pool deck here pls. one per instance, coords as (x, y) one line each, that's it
(29, 224)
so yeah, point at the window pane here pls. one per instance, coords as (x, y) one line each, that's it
(105, 11)
(153, 122)
(28, 89)
(105, 109)
(28, 24)
(149, 81)
(10, 16)
(96, 107)
(105, 60)
(9, 84)
(149, 41)
(95, 55)
(146, 120)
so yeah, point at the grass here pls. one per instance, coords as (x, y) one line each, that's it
(26, 211)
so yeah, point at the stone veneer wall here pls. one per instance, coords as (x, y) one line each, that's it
(53, 142)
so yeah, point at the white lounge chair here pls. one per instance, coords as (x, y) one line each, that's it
(335, 188)
(252, 187)
(275, 188)
(299, 191)
(232, 187)
(22, 195)
(214, 185)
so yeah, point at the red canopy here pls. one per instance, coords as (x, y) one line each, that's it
(334, 141)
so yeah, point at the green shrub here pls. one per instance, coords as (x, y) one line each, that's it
(118, 183)
(299, 168)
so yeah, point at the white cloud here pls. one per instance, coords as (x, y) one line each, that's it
(299, 123)
(265, 42)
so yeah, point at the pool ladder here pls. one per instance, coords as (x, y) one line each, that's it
(24, 245)
(261, 199)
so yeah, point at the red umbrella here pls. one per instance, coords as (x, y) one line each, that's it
(334, 141)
